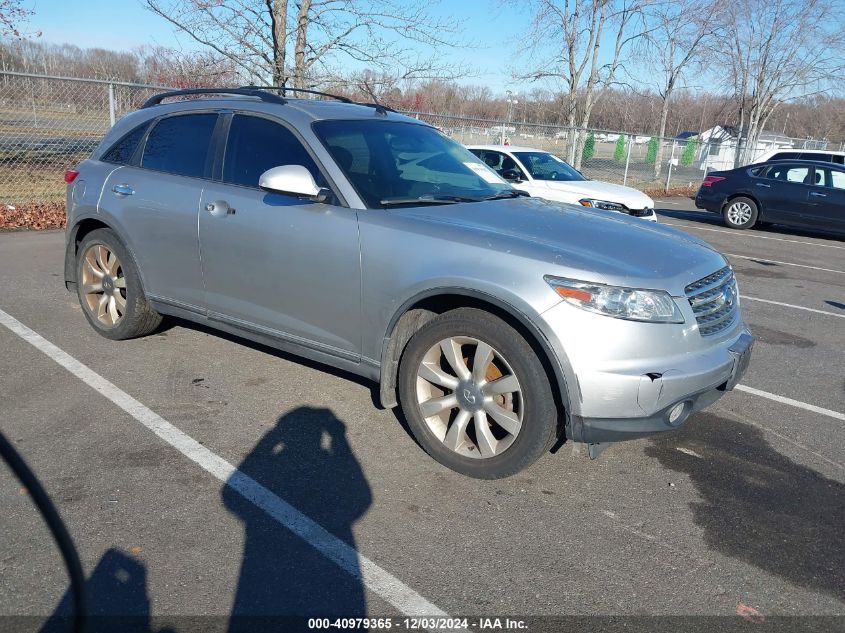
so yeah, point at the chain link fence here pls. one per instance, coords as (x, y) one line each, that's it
(49, 124)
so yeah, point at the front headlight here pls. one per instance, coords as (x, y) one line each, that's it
(602, 204)
(633, 304)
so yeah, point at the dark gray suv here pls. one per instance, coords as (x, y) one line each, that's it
(370, 241)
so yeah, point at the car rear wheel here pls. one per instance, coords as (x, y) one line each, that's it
(475, 395)
(109, 288)
(741, 213)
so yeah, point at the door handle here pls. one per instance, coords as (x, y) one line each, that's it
(123, 190)
(219, 208)
(762, 184)
(818, 194)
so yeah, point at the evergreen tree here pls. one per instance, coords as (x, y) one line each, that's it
(619, 152)
(690, 151)
(589, 147)
(651, 152)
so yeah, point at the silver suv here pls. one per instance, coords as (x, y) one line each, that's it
(367, 240)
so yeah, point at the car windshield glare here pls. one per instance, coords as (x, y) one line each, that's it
(545, 166)
(393, 163)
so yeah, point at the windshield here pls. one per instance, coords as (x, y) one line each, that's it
(390, 163)
(545, 166)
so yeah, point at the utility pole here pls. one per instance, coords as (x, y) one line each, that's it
(511, 99)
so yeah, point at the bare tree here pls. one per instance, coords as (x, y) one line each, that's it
(12, 16)
(679, 34)
(777, 51)
(261, 36)
(566, 39)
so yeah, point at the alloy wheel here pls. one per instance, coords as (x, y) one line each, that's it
(739, 212)
(470, 397)
(103, 285)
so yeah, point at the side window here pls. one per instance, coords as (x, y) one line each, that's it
(256, 144)
(790, 173)
(838, 160)
(816, 156)
(832, 178)
(180, 144)
(122, 151)
(786, 156)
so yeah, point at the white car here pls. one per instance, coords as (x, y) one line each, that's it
(828, 156)
(544, 175)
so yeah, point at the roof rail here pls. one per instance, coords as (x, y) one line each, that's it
(380, 108)
(246, 91)
(309, 91)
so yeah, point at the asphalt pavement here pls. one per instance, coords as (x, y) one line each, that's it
(740, 513)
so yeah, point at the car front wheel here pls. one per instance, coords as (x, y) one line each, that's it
(476, 396)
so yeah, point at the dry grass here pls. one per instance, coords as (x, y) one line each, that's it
(31, 184)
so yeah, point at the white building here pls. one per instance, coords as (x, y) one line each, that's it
(718, 147)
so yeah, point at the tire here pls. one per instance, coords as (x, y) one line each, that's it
(528, 414)
(118, 310)
(740, 213)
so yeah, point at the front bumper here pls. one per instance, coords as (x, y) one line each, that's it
(627, 380)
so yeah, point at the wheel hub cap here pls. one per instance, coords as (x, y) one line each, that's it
(470, 397)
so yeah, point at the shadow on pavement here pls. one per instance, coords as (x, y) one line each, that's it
(305, 460)
(117, 599)
(758, 506)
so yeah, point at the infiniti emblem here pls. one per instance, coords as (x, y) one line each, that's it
(469, 396)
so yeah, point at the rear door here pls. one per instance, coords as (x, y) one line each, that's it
(826, 200)
(276, 264)
(155, 203)
(785, 200)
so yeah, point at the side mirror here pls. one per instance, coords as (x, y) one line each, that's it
(511, 175)
(293, 180)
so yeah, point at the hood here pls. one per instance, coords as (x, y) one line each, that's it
(628, 196)
(576, 241)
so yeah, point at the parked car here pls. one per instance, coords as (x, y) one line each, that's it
(829, 156)
(369, 241)
(801, 194)
(641, 140)
(544, 175)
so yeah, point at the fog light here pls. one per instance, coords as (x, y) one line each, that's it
(676, 412)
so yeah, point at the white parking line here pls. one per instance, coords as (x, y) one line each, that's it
(789, 305)
(793, 403)
(376, 579)
(774, 261)
(747, 234)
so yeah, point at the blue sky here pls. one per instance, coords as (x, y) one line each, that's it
(124, 24)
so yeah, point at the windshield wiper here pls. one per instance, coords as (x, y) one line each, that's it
(389, 202)
(508, 193)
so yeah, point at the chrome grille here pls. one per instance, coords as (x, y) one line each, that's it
(714, 300)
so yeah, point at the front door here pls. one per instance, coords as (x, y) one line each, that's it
(282, 266)
(826, 200)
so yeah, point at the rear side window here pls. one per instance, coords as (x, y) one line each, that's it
(814, 156)
(180, 144)
(786, 156)
(122, 151)
(256, 144)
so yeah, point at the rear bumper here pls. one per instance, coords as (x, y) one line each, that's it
(708, 200)
(683, 395)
